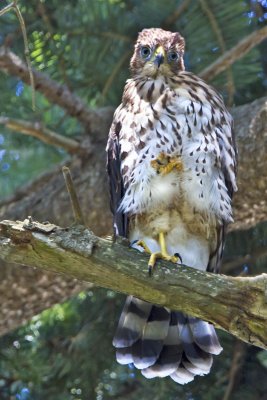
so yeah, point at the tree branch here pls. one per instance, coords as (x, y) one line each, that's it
(7, 8)
(114, 72)
(52, 90)
(171, 19)
(76, 209)
(40, 132)
(14, 6)
(234, 54)
(219, 36)
(260, 252)
(237, 305)
(239, 352)
(26, 50)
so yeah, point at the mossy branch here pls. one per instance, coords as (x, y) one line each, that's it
(237, 305)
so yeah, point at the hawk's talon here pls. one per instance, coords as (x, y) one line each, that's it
(179, 257)
(142, 244)
(152, 262)
(164, 164)
(163, 256)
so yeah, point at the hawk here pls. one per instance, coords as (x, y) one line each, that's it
(172, 171)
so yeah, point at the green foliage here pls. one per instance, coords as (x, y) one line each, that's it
(27, 156)
(262, 357)
(60, 353)
(66, 354)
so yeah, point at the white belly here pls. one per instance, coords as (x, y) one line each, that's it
(193, 249)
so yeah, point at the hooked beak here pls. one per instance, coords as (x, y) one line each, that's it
(159, 56)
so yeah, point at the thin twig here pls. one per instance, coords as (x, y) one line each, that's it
(115, 71)
(44, 134)
(170, 20)
(50, 37)
(234, 54)
(77, 212)
(51, 89)
(26, 51)
(219, 35)
(7, 8)
(14, 6)
(115, 35)
(230, 266)
(237, 362)
(45, 17)
(108, 34)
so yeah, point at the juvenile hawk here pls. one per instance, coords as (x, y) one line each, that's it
(171, 164)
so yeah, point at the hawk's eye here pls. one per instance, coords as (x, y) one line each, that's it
(145, 51)
(173, 55)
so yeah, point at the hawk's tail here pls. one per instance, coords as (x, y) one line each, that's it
(163, 343)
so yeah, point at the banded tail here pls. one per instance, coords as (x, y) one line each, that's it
(163, 343)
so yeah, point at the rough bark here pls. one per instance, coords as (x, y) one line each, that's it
(46, 199)
(250, 202)
(237, 305)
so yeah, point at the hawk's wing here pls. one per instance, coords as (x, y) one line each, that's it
(120, 220)
(228, 167)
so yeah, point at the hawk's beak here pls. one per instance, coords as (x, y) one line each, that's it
(159, 56)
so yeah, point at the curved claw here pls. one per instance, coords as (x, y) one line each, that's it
(178, 255)
(163, 256)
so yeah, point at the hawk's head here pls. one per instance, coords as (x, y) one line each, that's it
(158, 52)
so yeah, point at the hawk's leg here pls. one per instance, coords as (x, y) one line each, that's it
(144, 246)
(163, 254)
(165, 164)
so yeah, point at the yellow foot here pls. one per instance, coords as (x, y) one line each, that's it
(164, 164)
(144, 246)
(163, 256)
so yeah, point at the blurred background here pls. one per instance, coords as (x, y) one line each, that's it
(56, 333)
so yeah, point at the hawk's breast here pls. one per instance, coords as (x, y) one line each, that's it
(164, 119)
